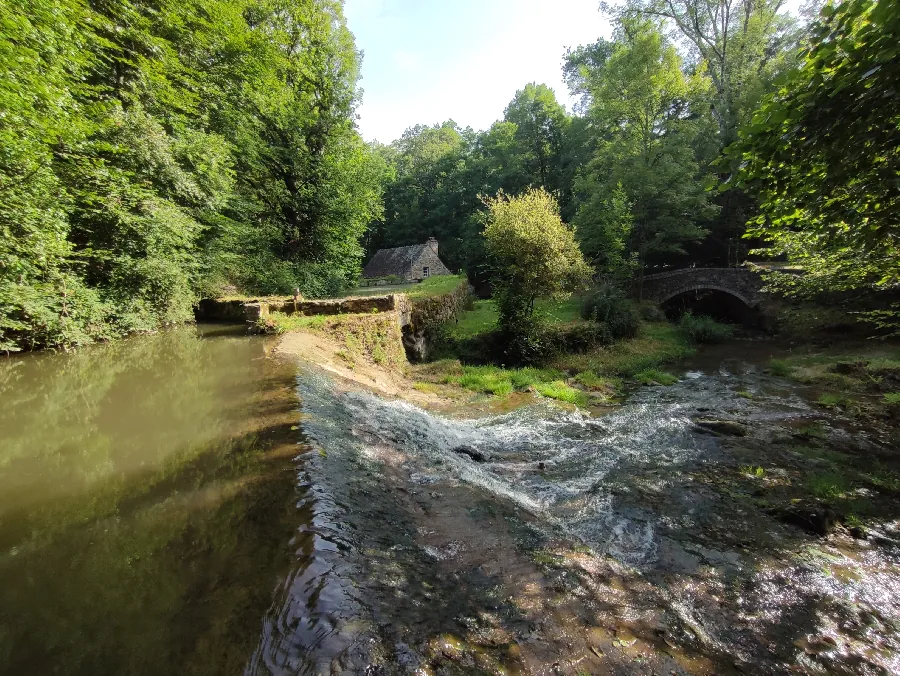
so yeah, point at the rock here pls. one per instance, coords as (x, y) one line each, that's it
(726, 427)
(811, 517)
(858, 533)
(473, 453)
(850, 367)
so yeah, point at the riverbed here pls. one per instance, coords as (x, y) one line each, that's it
(189, 503)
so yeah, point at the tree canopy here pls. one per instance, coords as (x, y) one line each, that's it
(154, 152)
(823, 153)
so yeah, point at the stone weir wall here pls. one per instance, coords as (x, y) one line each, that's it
(417, 318)
(251, 310)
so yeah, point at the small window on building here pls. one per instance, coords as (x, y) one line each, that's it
(425, 272)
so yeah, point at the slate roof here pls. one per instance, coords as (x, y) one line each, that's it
(393, 261)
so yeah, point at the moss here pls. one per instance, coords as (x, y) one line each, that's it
(655, 377)
(368, 337)
(600, 383)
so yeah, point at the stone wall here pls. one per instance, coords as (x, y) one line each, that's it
(742, 283)
(251, 310)
(429, 259)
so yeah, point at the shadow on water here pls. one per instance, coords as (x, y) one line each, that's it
(147, 493)
(624, 544)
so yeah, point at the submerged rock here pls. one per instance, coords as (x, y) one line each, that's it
(472, 453)
(728, 427)
(811, 516)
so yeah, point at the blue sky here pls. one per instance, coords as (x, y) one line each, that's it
(427, 61)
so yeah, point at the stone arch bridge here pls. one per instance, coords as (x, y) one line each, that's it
(741, 283)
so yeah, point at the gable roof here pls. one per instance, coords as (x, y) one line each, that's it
(393, 261)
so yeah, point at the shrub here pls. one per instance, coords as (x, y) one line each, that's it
(702, 329)
(780, 368)
(651, 312)
(609, 306)
(579, 338)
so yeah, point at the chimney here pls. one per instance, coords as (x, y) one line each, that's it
(433, 243)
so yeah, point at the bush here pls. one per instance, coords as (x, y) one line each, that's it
(579, 338)
(651, 312)
(609, 306)
(704, 329)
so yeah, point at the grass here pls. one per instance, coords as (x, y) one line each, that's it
(813, 431)
(828, 486)
(497, 380)
(892, 398)
(482, 318)
(655, 377)
(500, 381)
(832, 399)
(703, 329)
(750, 470)
(780, 368)
(592, 381)
(655, 346)
(433, 286)
(560, 391)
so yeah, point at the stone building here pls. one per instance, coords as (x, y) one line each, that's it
(411, 263)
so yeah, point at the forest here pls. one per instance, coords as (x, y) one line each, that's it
(153, 153)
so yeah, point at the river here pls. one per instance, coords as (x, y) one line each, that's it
(188, 503)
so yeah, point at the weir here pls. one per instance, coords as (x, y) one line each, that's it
(415, 316)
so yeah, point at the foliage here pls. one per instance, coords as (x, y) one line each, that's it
(152, 153)
(642, 194)
(560, 391)
(742, 46)
(606, 222)
(655, 346)
(823, 155)
(533, 254)
(703, 329)
(610, 307)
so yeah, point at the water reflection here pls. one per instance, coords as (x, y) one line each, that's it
(147, 503)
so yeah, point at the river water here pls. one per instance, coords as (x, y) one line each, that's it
(186, 503)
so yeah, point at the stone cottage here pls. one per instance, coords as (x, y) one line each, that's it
(411, 263)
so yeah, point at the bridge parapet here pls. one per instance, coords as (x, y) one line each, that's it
(742, 283)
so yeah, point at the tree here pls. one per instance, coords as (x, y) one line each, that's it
(823, 155)
(540, 125)
(151, 152)
(742, 45)
(534, 254)
(644, 111)
(608, 222)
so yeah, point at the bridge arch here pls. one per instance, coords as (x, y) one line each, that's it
(670, 294)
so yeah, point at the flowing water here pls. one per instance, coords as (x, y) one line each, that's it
(183, 503)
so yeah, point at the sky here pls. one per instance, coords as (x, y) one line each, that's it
(427, 61)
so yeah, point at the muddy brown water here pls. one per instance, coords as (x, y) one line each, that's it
(185, 503)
